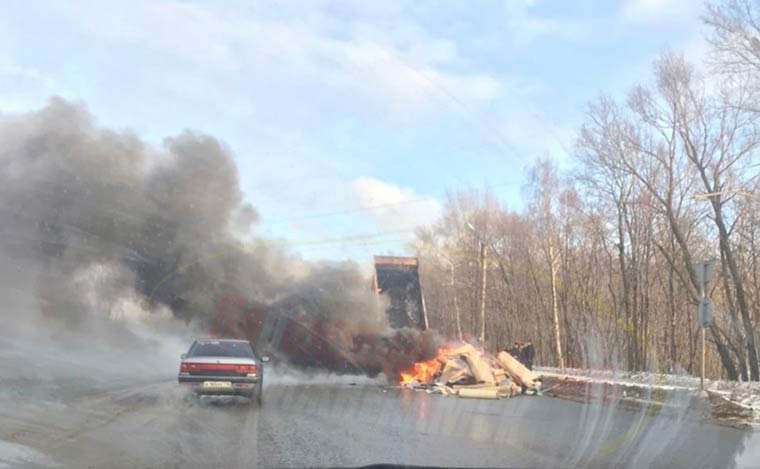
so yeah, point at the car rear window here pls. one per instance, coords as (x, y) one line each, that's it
(218, 348)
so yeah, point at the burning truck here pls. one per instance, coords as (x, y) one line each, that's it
(352, 347)
(410, 357)
(357, 343)
(407, 353)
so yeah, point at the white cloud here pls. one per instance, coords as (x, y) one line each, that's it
(654, 11)
(399, 84)
(393, 207)
(22, 88)
(403, 70)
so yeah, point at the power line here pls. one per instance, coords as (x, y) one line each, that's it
(488, 132)
(353, 210)
(480, 124)
(368, 208)
(485, 128)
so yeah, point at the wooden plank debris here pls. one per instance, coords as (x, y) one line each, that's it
(479, 393)
(518, 371)
(468, 372)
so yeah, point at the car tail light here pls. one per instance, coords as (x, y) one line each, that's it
(188, 367)
(245, 369)
(241, 369)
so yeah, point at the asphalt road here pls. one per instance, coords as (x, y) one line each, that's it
(152, 424)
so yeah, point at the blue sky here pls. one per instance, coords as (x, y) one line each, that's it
(348, 119)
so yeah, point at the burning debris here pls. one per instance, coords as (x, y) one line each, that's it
(469, 372)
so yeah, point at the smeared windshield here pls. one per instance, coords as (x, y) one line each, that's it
(328, 233)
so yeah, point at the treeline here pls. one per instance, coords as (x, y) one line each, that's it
(597, 268)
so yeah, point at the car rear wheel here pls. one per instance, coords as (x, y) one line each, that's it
(255, 395)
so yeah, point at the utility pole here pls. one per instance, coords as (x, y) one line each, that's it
(483, 282)
(422, 298)
(555, 306)
(456, 299)
(482, 247)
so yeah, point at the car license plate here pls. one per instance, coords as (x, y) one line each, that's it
(217, 384)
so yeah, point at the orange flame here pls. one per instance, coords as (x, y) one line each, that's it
(423, 372)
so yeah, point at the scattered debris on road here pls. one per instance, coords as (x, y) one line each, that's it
(469, 372)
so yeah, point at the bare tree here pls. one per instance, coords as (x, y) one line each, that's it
(734, 35)
(544, 193)
(718, 138)
(597, 270)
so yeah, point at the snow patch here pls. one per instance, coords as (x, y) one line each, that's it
(745, 394)
(16, 455)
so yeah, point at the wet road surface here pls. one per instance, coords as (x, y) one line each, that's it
(154, 424)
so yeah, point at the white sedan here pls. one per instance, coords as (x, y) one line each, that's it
(223, 367)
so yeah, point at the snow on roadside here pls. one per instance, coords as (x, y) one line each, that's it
(17, 455)
(744, 394)
(644, 379)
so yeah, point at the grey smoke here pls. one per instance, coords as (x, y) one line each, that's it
(91, 219)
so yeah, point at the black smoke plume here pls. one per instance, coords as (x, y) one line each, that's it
(96, 225)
